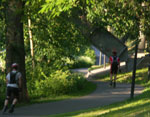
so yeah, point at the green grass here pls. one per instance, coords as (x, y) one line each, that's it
(137, 107)
(97, 67)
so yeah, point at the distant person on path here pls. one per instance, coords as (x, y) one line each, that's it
(115, 65)
(13, 81)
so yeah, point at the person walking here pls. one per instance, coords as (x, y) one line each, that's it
(114, 66)
(13, 81)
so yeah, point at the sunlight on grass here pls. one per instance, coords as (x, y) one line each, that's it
(138, 107)
(132, 105)
(141, 74)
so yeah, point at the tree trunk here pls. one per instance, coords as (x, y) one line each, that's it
(142, 43)
(31, 42)
(14, 40)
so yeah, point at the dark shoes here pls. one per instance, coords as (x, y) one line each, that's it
(11, 110)
(110, 84)
(4, 109)
(113, 84)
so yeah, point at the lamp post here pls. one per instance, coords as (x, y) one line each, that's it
(134, 72)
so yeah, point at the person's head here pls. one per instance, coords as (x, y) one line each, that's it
(14, 66)
(114, 52)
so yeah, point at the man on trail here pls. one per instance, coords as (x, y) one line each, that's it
(13, 81)
(115, 64)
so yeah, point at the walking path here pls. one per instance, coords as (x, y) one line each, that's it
(100, 71)
(103, 95)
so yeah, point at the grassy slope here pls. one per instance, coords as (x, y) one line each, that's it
(138, 107)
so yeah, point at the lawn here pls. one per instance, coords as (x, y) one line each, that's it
(137, 107)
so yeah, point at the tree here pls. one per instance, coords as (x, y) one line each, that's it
(2, 26)
(31, 42)
(55, 36)
(14, 39)
(123, 16)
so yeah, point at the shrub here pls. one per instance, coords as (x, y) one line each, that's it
(2, 88)
(83, 61)
(57, 83)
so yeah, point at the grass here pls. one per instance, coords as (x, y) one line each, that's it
(137, 107)
(97, 67)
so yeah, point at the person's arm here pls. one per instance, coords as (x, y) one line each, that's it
(6, 81)
(20, 82)
(7, 78)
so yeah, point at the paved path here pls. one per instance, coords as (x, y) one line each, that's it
(104, 95)
(100, 71)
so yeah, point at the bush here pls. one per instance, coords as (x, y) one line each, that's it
(87, 58)
(58, 83)
(2, 88)
(83, 61)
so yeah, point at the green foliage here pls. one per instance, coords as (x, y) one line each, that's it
(56, 7)
(90, 53)
(2, 88)
(57, 83)
(86, 58)
(56, 38)
(2, 82)
(2, 60)
(83, 62)
(117, 14)
(2, 34)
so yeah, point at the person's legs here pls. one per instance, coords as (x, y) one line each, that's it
(16, 95)
(5, 105)
(115, 76)
(6, 102)
(111, 76)
(14, 101)
(13, 105)
(111, 79)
